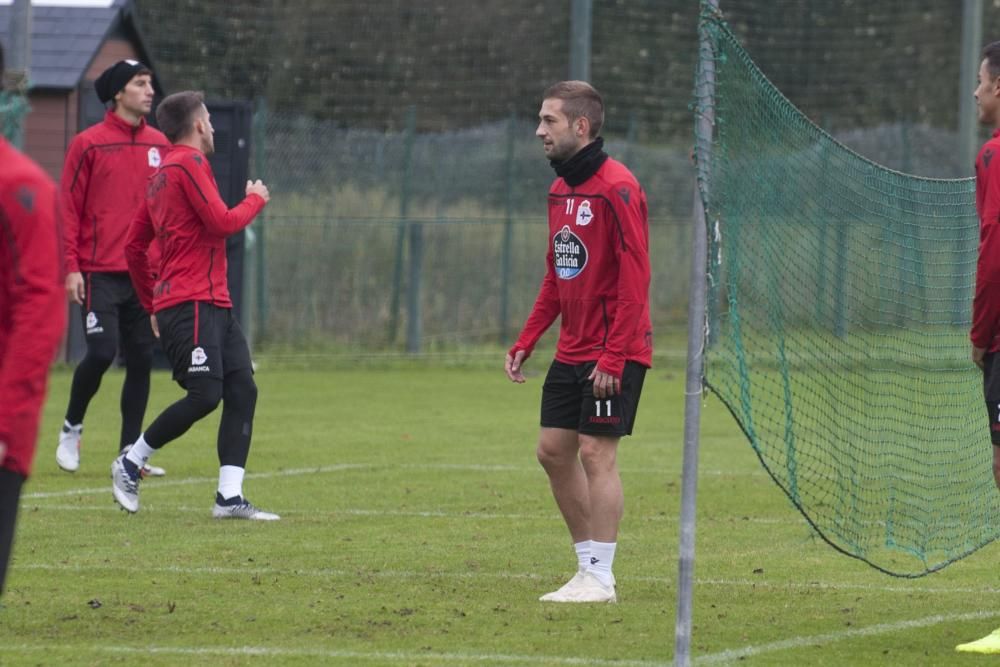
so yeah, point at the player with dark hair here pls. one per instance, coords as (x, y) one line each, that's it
(190, 306)
(103, 181)
(985, 332)
(597, 280)
(32, 320)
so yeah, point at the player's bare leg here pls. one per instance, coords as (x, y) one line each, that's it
(558, 452)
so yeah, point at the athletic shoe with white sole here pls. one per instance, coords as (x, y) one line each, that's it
(147, 470)
(990, 644)
(68, 451)
(562, 594)
(238, 507)
(567, 591)
(125, 478)
(590, 589)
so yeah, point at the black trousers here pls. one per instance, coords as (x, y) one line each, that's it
(10, 494)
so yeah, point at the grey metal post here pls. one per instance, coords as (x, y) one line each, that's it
(260, 224)
(414, 316)
(508, 232)
(404, 212)
(968, 126)
(580, 28)
(695, 361)
(19, 49)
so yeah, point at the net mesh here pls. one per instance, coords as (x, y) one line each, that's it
(13, 108)
(837, 329)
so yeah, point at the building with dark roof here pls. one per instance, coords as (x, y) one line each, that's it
(72, 42)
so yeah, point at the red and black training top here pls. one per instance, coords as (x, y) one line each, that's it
(986, 302)
(184, 211)
(597, 273)
(32, 301)
(103, 181)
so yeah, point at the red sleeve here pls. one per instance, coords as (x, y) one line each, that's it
(140, 236)
(986, 302)
(72, 197)
(38, 312)
(543, 313)
(631, 243)
(203, 193)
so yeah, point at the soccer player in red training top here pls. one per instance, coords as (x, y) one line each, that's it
(32, 319)
(597, 280)
(192, 310)
(985, 333)
(103, 181)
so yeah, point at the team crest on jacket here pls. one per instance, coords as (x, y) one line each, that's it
(154, 157)
(584, 216)
(568, 253)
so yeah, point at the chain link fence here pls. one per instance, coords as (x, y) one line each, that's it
(397, 137)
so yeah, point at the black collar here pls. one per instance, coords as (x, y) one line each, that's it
(583, 165)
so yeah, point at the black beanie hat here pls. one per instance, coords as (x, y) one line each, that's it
(116, 77)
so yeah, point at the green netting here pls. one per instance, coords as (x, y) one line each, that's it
(13, 108)
(837, 329)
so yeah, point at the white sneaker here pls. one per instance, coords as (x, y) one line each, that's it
(68, 451)
(125, 480)
(563, 594)
(591, 589)
(240, 508)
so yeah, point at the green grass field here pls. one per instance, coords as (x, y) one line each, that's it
(418, 529)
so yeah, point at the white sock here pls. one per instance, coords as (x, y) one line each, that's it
(140, 452)
(230, 481)
(582, 554)
(602, 555)
(76, 428)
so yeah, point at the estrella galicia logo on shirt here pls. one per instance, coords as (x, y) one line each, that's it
(93, 326)
(154, 157)
(198, 359)
(584, 216)
(568, 253)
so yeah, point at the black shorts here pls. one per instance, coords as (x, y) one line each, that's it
(202, 340)
(568, 400)
(111, 308)
(991, 392)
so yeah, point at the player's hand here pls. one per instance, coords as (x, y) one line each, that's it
(74, 287)
(258, 188)
(977, 355)
(512, 366)
(605, 384)
(154, 325)
(3, 450)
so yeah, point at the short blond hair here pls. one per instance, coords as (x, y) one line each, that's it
(580, 100)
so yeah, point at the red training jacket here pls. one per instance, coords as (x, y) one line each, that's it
(32, 301)
(986, 302)
(184, 211)
(103, 180)
(597, 273)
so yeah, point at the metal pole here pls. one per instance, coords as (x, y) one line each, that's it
(580, 28)
(508, 232)
(260, 224)
(19, 49)
(968, 126)
(695, 358)
(404, 212)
